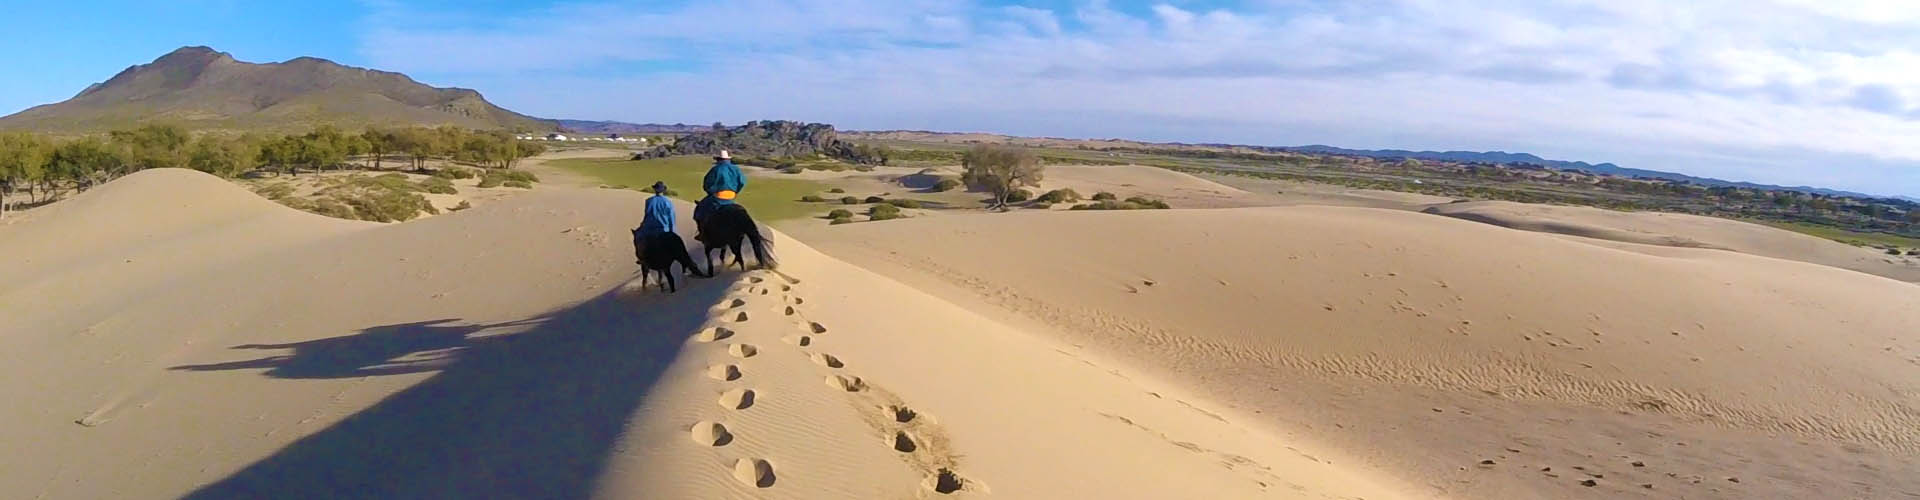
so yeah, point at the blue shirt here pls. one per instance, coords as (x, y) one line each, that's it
(724, 176)
(659, 218)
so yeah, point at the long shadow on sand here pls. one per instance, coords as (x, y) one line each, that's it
(533, 414)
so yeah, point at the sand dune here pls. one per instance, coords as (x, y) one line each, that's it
(1681, 230)
(240, 349)
(1427, 344)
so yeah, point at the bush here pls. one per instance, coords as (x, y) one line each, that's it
(849, 200)
(889, 216)
(1915, 251)
(836, 190)
(462, 206)
(841, 220)
(1148, 202)
(792, 170)
(518, 184)
(876, 199)
(453, 173)
(275, 191)
(521, 175)
(1893, 251)
(489, 182)
(1103, 195)
(438, 185)
(904, 203)
(1019, 195)
(883, 210)
(812, 198)
(1114, 205)
(862, 168)
(1041, 205)
(839, 213)
(1059, 196)
(946, 185)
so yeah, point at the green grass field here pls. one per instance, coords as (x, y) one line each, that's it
(1845, 236)
(768, 196)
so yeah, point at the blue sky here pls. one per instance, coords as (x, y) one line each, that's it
(1816, 92)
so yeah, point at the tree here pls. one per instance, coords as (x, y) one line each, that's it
(83, 161)
(23, 159)
(1000, 170)
(154, 146)
(379, 142)
(222, 157)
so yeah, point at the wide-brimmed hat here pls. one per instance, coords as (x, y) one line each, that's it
(659, 187)
(722, 155)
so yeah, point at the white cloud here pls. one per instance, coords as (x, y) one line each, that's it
(1673, 83)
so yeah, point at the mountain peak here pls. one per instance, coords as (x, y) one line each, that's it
(200, 87)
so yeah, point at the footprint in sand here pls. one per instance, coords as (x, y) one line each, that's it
(711, 433)
(901, 414)
(797, 300)
(827, 360)
(740, 318)
(846, 383)
(738, 399)
(945, 482)
(791, 311)
(742, 350)
(737, 303)
(817, 327)
(753, 472)
(786, 288)
(713, 334)
(723, 373)
(799, 340)
(904, 443)
(755, 279)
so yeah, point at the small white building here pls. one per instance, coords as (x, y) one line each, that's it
(556, 137)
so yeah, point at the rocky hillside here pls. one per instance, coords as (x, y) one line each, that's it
(771, 139)
(201, 88)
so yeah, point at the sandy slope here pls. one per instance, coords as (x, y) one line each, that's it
(1428, 344)
(1681, 230)
(227, 347)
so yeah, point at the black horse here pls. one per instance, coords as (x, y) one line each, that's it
(658, 254)
(724, 229)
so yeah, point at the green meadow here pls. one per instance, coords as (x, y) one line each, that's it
(768, 196)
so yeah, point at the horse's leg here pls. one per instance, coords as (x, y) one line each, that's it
(667, 274)
(739, 259)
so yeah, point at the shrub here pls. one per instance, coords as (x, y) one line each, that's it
(1111, 205)
(836, 190)
(1059, 196)
(518, 184)
(1915, 251)
(946, 185)
(792, 170)
(883, 210)
(1148, 202)
(904, 203)
(887, 216)
(1042, 205)
(841, 220)
(438, 185)
(1893, 251)
(839, 213)
(812, 198)
(275, 191)
(489, 181)
(1103, 195)
(862, 168)
(453, 173)
(849, 200)
(521, 175)
(876, 199)
(1019, 195)
(462, 206)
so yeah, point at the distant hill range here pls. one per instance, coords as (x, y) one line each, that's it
(1503, 158)
(612, 127)
(201, 88)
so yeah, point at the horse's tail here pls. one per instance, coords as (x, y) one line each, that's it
(760, 250)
